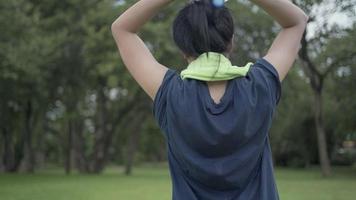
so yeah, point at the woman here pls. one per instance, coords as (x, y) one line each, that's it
(215, 116)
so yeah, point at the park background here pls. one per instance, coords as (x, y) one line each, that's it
(75, 125)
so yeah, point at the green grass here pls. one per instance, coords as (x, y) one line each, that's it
(153, 183)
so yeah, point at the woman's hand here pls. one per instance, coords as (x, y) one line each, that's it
(285, 47)
(136, 56)
(138, 14)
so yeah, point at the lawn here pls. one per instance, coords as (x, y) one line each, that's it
(153, 183)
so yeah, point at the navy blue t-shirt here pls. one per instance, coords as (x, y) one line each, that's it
(220, 151)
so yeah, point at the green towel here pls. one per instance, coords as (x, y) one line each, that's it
(213, 66)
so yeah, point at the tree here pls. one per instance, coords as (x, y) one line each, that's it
(318, 63)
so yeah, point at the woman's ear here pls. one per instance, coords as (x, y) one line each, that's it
(186, 58)
(189, 59)
(231, 45)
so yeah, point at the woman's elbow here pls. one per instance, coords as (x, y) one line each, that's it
(116, 26)
(302, 21)
(118, 31)
(305, 19)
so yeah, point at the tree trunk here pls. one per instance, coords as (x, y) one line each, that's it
(40, 154)
(2, 147)
(68, 150)
(321, 136)
(81, 162)
(131, 150)
(18, 153)
(133, 143)
(100, 147)
(316, 83)
(28, 159)
(8, 154)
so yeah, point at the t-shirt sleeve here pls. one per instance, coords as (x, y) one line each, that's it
(160, 100)
(266, 74)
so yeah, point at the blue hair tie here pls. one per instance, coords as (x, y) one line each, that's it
(219, 3)
(216, 3)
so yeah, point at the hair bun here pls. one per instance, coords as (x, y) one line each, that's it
(202, 27)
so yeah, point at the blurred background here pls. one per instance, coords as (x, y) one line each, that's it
(75, 125)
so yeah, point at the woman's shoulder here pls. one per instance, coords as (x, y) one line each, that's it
(264, 76)
(265, 67)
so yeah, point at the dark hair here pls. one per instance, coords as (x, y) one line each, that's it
(201, 27)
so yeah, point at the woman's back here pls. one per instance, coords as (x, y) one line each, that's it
(220, 150)
(217, 90)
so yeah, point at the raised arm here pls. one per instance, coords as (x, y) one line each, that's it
(285, 47)
(136, 56)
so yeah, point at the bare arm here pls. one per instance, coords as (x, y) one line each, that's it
(136, 56)
(285, 47)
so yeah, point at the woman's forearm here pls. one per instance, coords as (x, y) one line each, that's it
(137, 15)
(283, 11)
